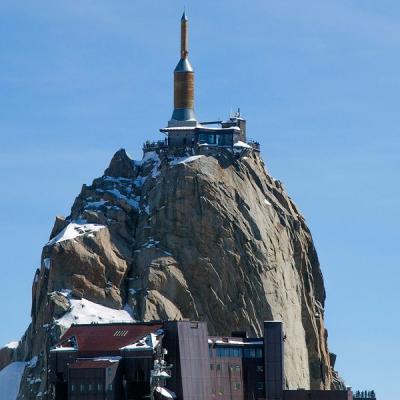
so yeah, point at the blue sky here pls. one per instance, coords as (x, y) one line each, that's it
(318, 83)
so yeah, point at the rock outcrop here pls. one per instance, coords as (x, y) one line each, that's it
(207, 237)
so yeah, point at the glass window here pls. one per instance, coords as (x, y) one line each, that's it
(72, 388)
(238, 352)
(99, 387)
(218, 367)
(109, 370)
(110, 387)
(259, 353)
(260, 385)
(237, 368)
(212, 367)
(81, 387)
(224, 352)
(221, 391)
(260, 368)
(252, 353)
(90, 387)
(237, 386)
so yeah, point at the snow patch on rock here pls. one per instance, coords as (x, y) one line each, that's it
(243, 145)
(11, 345)
(10, 380)
(74, 230)
(85, 312)
(185, 160)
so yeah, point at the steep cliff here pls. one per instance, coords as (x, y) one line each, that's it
(210, 237)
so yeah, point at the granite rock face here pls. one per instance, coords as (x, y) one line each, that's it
(209, 237)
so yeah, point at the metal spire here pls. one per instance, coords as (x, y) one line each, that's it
(184, 36)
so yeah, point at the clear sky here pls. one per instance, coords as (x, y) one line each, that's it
(318, 82)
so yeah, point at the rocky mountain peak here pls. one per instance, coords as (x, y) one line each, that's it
(209, 237)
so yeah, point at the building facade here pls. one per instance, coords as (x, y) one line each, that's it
(171, 359)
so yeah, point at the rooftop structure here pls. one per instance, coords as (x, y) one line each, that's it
(183, 113)
(184, 131)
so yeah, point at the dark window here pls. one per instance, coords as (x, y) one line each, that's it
(260, 385)
(72, 388)
(229, 352)
(237, 386)
(250, 353)
(218, 367)
(99, 387)
(206, 138)
(238, 352)
(81, 387)
(110, 387)
(260, 368)
(90, 387)
(237, 367)
(212, 367)
(259, 353)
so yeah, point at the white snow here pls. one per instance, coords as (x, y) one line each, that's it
(85, 312)
(74, 230)
(12, 345)
(10, 380)
(239, 343)
(153, 157)
(116, 180)
(32, 363)
(112, 359)
(94, 204)
(47, 263)
(267, 202)
(242, 144)
(185, 160)
(151, 243)
(169, 394)
(162, 374)
(149, 342)
(58, 349)
(117, 194)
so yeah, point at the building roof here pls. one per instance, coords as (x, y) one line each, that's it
(108, 337)
(200, 128)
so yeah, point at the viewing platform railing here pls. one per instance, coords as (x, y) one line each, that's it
(163, 144)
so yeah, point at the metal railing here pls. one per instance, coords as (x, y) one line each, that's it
(254, 144)
(155, 145)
